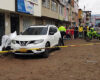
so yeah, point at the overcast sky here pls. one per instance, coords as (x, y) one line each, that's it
(91, 5)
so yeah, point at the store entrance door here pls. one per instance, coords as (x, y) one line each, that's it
(2, 26)
(14, 23)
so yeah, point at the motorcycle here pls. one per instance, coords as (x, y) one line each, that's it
(92, 34)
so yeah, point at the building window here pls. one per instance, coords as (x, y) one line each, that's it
(46, 3)
(60, 10)
(63, 2)
(53, 6)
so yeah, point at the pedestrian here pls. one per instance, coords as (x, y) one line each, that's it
(72, 32)
(80, 31)
(76, 32)
(85, 32)
(62, 30)
(87, 28)
(68, 34)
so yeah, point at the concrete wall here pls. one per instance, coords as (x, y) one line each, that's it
(27, 21)
(76, 7)
(49, 13)
(37, 8)
(7, 23)
(10, 6)
(7, 5)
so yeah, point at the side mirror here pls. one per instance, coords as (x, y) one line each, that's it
(51, 33)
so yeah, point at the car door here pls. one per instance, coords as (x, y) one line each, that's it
(53, 35)
(56, 36)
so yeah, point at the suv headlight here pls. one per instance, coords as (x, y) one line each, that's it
(13, 41)
(38, 41)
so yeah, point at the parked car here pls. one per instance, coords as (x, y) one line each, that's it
(36, 37)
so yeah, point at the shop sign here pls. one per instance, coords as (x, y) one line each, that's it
(25, 6)
(33, 1)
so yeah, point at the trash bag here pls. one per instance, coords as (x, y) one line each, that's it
(0, 48)
(6, 40)
(13, 35)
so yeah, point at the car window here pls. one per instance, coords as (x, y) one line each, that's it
(36, 31)
(53, 29)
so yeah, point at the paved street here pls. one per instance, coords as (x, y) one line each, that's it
(72, 63)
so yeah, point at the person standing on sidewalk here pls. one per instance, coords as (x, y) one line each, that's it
(85, 32)
(76, 32)
(62, 30)
(80, 31)
(72, 32)
(68, 34)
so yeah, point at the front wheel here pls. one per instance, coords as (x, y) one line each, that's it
(47, 50)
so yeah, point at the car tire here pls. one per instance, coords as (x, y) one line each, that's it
(46, 53)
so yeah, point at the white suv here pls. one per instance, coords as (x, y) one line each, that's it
(37, 37)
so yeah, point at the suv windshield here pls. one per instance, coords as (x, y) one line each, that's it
(36, 31)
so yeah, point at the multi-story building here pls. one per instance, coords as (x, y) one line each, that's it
(84, 17)
(73, 12)
(17, 15)
(87, 18)
(95, 20)
(52, 11)
(76, 7)
(80, 16)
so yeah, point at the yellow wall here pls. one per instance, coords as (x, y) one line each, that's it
(80, 14)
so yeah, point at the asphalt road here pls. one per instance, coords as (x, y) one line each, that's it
(72, 63)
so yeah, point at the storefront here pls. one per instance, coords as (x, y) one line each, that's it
(15, 22)
(28, 21)
(26, 10)
(2, 25)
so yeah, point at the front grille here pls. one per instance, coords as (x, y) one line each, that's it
(17, 42)
(22, 43)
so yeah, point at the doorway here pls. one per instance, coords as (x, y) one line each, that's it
(14, 23)
(2, 25)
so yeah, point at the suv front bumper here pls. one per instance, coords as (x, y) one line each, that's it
(29, 49)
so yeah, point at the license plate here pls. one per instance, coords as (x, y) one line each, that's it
(23, 50)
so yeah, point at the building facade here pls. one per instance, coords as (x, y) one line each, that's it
(95, 20)
(80, 17)
(20, 14)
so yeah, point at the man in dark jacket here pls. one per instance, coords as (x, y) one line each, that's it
(76, 32)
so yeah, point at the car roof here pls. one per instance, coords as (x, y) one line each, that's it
(43, 26)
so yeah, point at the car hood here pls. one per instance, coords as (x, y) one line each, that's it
(29, 37)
